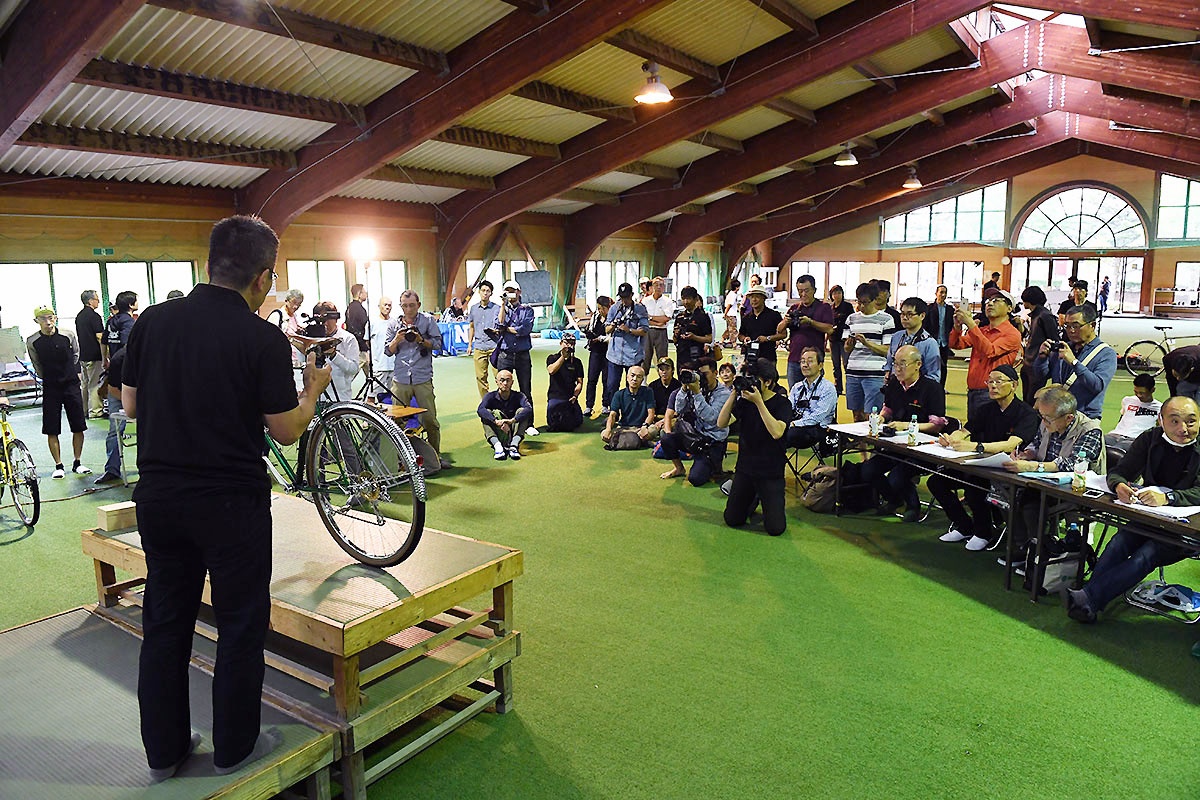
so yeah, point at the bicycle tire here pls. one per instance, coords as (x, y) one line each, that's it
(23, 485)
(1145, 357)
(361, 465)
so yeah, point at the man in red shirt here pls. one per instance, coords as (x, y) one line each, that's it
(992, 345)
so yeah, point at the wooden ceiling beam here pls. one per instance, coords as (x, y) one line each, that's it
(63, 138)
(574, 101)
(589, 196)
(1095, 35)
(537, 7)
(497, 142)
(45, 46)
(429, 177)
(790, 15)
(792, 109)
(744, 188)
(868, 69)
(648, 170)
(1162, 13)
(178, 86)
(716, 141)
(664, 55)
(314, 30)
(690, 209)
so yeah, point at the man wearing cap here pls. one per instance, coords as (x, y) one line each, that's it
(626, 324)
(54, 354)
(806, 325)
(344, 358)
(659, 310)
(480, 319)
(693, 329)
(1083, 363)
(760, 325)
(663, 387)
(1004, 424)
(992, 345)
(1076, 297)
(566, 382)
(411, 338)
(515, 323)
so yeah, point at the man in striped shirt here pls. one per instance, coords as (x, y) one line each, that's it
(870, 330)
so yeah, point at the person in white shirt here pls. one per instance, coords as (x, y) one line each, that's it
(733, 307)
(659, 308)
(1139, 413)
(343, 359)
(381, 360)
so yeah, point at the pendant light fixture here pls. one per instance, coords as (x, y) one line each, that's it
(655, 91)
(912, 181)
(846, 158)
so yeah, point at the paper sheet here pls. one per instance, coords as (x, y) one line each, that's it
(1178, 513)
(853, 428)
(934, 449)
(996, 461)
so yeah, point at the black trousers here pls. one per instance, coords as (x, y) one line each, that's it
(563, 414)
(945, 353)
(746, 493)
(979, 522)
(521, 366)
(227, 537)
(597, 371)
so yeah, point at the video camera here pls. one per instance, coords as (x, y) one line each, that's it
(314, 326)
(687, 377)
(793, 319)
(683, 321)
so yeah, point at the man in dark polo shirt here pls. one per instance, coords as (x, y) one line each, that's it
(1004, 424)
(202, 375)
(906, 395)
(89, 329)
(566, 381)
(806, 325)
(760, 325)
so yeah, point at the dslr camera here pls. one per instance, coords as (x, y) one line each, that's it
(793, 317)
(314, 326)
(683, 324)
(687, 377)
(744, 383)
(410, 333)
(1055, 345)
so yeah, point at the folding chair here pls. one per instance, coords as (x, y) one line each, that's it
(825, 447)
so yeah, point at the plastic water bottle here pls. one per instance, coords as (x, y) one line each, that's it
(874, 421)
(1079, 477)
(913, 431)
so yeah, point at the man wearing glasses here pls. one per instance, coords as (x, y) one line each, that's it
(806, 324)
(992, 345)
(1083, 364)
(54, 354)
(912, 322)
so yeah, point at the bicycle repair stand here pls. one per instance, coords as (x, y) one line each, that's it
(369, 371)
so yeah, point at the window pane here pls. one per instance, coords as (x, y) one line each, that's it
(1130, 291)
(893, 229)
(123, 277)
(1193, 223)
(971, 201)
(993, 226)
(967, 227)
(1170, 223)
(942, 227)
(331, 279)
(995, 197)
(167, 276)
(27, 286)
(393, 279)
(917, 225)
(70, 281)
(1019, 274)
(302, 275)
(1173, 191)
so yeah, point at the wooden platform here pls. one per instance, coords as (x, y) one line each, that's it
(369, 649)
(69, 723)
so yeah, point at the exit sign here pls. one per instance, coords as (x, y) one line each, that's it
(102, 251)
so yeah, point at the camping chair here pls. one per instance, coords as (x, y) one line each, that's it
(800, 459)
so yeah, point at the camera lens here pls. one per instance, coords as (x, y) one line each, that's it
(410, 335)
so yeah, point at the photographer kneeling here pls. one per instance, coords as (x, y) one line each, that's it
(764, 414)
(696, 427)
(566, 381)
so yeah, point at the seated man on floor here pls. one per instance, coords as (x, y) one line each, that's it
(698, 403)
(505, 415)
(908, 395)
(814, 401)
(1167, 462)
(1004, 424)
(632, 410)
(1139, 413)
(1065, 437)
(566, 382)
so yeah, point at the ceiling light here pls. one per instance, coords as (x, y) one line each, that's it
(655, 91)
(912, 181)
(846, 158)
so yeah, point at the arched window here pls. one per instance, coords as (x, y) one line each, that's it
(1082, 218)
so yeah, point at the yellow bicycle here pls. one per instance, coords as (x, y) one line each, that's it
(18, 471)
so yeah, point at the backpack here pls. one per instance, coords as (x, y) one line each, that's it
(818, 489)
(627, 439)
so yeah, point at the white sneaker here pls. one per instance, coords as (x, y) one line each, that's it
(977, 543)
(500, 455)
(514, 454)
(953, 535)
(587, 412)
(59, 472)
(604, 410)
(80, 469)
(532, 431)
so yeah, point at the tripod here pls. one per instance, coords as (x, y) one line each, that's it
(369, 371)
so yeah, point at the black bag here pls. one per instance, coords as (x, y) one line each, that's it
(627, 439)
(694, 441)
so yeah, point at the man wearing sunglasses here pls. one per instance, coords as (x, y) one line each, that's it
(1083, 363)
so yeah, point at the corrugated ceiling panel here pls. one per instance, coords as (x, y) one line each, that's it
(457, 158)
(529, 119)
(829, 89)
(554, 206)
(909, 55)
(712, 30)
(966, 100)
(399, 192)
(708, 198)
(607, 72)
(436, 24)
(678, 155)
(750, 123)
(101, 109)
(76, 164)
(662, 217)
(769, 174)
(899, 124)
(613, 182)
(819, 8)
(163, 39)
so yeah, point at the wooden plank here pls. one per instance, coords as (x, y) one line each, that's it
(106, 576)
(726, 144)
(788, 14)
(59, 137)
(161, 83)
(744, 188)
(115, 516)
(648, 170)
(574, 101)
(393, 760)
(346, 688)
(429, 177)
(650, 49)
(391, 664)
(314, 30)
(499, 142)
(792, 109)
(690, 208)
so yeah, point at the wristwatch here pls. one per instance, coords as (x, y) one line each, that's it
(979, 448)
(1041, 467)
(1170, 497)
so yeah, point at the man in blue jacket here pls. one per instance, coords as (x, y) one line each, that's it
(1083, 364)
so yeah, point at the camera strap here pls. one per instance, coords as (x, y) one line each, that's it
(1085, 362)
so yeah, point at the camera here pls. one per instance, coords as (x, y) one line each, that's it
(744, 383)
(686, 376)
(410, 334)
(314, 326)
(1056, 345)
(794, 316)
(682, 320)
(494, 333)
(624, 316)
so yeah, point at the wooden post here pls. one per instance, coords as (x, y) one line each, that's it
(501, 619)
(106, 575)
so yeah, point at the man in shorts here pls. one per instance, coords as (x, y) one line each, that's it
(55, 357)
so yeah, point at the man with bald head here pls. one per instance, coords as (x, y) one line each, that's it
(505, 415)
(1166, 461)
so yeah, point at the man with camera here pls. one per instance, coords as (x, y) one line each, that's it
(632, 411)
(760, 326)
(870, 329)
(356, 322)
(939, 319)
(693, 329)
(695, 428)
(480, 320)
(992, 345)
(763, 414)
(659, 310)
(505, 414)
(813, 399)
(805, 325)
(597, 346)
(626, 327)
(515, 323)
(566, 382)
(412, 337)
(1083, 364)
(343, 357)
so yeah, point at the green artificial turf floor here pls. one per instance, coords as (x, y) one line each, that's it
(667, 656)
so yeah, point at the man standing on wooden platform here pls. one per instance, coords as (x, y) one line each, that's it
(202, 375)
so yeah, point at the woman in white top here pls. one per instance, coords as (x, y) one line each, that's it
(733, 307)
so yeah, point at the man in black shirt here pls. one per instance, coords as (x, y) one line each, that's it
(55, 357)
(885, 297)
(566, 382)
(693, 329)
(120, 322)
(356, 322)
(89, 329)
(202, 375)
(663, 386)
(1004, 424)
(764, 414)
(505, 415)
(760, 325)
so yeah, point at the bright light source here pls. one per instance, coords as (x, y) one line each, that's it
(655, 91)
(912, 181)
(846, 158)
(362, 249)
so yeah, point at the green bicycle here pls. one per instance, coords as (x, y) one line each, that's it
(18, 471)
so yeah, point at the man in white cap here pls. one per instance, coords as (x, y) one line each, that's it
(515, 323)
(626, 324)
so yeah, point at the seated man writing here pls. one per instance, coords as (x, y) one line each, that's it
(698, 403)
(1004, 424)
(632, 410)
(908, 395)
(1168, 463)
(814, 401)
(505, 414)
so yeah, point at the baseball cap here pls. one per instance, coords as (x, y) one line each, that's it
(568, 335)
(757, 290)
(512, 285)
(43, 311)
(666, 362)
(624, 290)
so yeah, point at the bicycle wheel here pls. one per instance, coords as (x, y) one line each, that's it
(367, 484)
(1144, 358)
(23, 483)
